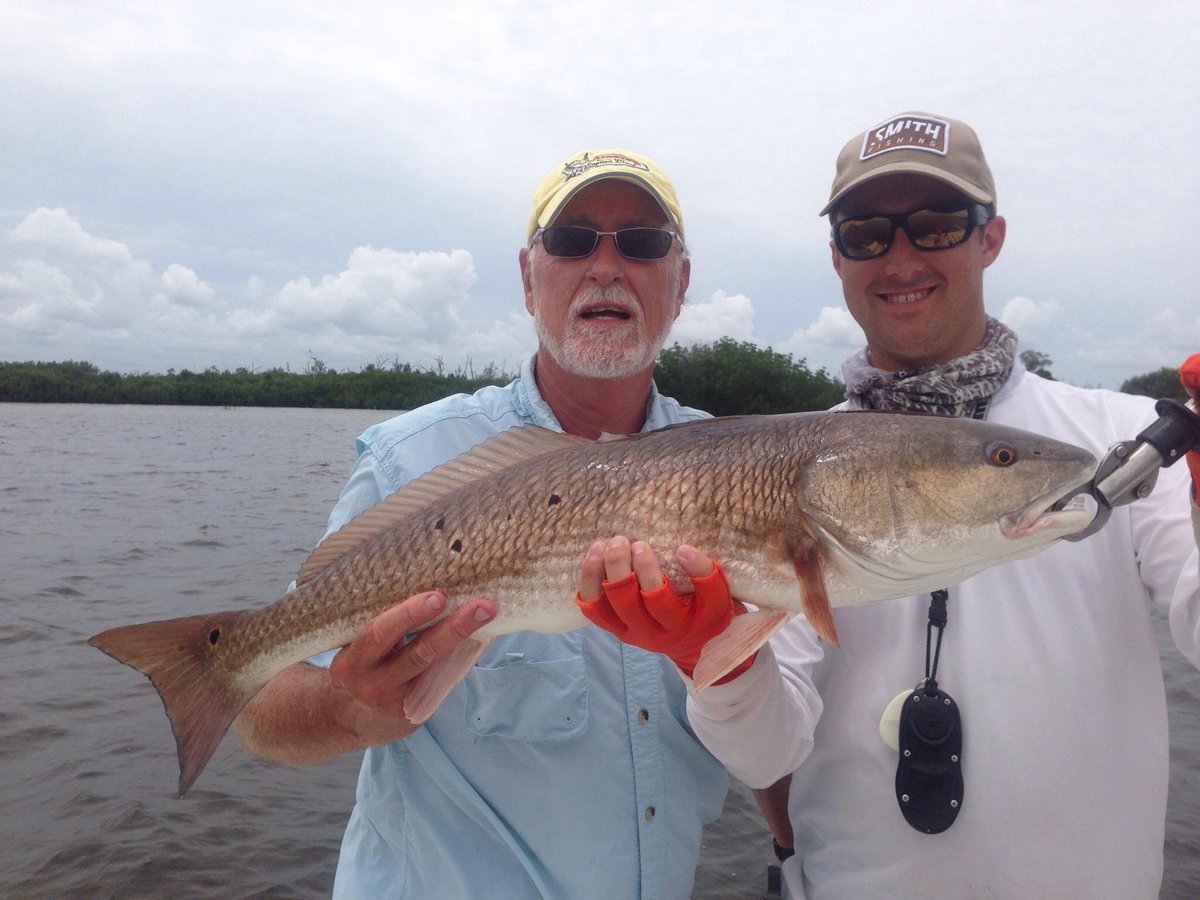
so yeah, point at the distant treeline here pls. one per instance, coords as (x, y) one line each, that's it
(724, 378)
(727, 377)
(1160, 383)
(730, 378)
(400, 386)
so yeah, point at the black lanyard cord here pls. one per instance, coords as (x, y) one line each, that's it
(937, 619)
(929, 779)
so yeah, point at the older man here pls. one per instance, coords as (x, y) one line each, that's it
(563, 765)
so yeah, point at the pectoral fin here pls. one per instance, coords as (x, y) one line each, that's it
(814, 600)
(745, 634)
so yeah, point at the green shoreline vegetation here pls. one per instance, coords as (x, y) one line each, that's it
(727, 377)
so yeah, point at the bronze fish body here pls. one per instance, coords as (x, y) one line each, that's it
(803, 512)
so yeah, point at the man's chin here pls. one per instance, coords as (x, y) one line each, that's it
(608, 368)
(602, 362)
(609, 354)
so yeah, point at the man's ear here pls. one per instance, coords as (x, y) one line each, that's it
(523, 261)
(685, 277)
(993, 239)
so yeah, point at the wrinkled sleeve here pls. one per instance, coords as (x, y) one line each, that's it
(1196, 521)
(1165, 535)
(1185, 600)
(761, 724)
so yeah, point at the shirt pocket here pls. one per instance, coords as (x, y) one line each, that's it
(524, 697)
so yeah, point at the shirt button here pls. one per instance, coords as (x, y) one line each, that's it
(649, 813)
(643, 716)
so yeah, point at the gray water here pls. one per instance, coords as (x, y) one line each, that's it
(111, 515)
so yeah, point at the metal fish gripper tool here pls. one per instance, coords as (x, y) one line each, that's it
(1129, 470)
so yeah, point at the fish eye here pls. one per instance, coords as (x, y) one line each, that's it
(1001, 453)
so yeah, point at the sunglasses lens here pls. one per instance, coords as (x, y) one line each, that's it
(927, 229)
(569, 240)
(644, 243)
(575, 241)
(865, 238)
(934, 230)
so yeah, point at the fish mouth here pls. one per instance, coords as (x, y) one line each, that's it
(1039, 514)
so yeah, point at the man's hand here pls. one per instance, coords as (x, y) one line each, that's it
(611, 596)
(377, 671)
(307, 714)
(1189, 374)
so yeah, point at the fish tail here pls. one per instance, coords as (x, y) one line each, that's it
(177, 656)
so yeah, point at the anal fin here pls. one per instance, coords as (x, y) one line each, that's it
(745, 634)
(439, 680)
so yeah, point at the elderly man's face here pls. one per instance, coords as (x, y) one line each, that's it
(605, 316)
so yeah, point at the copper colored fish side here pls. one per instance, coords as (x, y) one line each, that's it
(804, 512)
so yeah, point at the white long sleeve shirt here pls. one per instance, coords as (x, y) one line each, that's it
(1054, 665)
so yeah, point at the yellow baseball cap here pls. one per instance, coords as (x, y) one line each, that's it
(920, 144)
(565, 180)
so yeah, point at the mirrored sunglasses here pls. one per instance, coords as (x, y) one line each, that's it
(932, 228)
(575, 241)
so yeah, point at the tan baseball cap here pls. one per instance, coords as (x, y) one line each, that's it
(915, 142)
(565, 180)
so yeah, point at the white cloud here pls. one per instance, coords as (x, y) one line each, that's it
(834, 328)
(267, 140)
(826, 342)
(68, 294)
(54, 234)
(413, 296)
(721, 315)
(182, 286)
(1029, 318)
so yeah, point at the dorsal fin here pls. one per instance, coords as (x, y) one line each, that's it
(504, 450)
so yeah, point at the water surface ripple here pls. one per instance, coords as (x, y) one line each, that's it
(116, 514)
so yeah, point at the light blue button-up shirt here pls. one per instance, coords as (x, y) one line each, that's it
(563, 766)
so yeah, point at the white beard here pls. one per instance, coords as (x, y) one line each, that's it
(611, 353)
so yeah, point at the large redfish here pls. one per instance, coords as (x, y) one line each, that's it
(803, 512)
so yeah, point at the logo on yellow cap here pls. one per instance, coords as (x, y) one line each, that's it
(581, 165)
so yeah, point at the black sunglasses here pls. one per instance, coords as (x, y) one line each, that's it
(929, 228)
(575, 241)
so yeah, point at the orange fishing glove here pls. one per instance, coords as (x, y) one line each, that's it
(1189, 374)
(661, 621)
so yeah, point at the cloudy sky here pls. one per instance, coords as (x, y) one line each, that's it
(193, 184)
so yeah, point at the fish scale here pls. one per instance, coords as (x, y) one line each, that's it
(803, 512)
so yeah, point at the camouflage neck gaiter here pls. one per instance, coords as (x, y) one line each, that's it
(961, 387)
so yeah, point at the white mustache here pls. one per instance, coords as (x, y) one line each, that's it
(612, 295)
